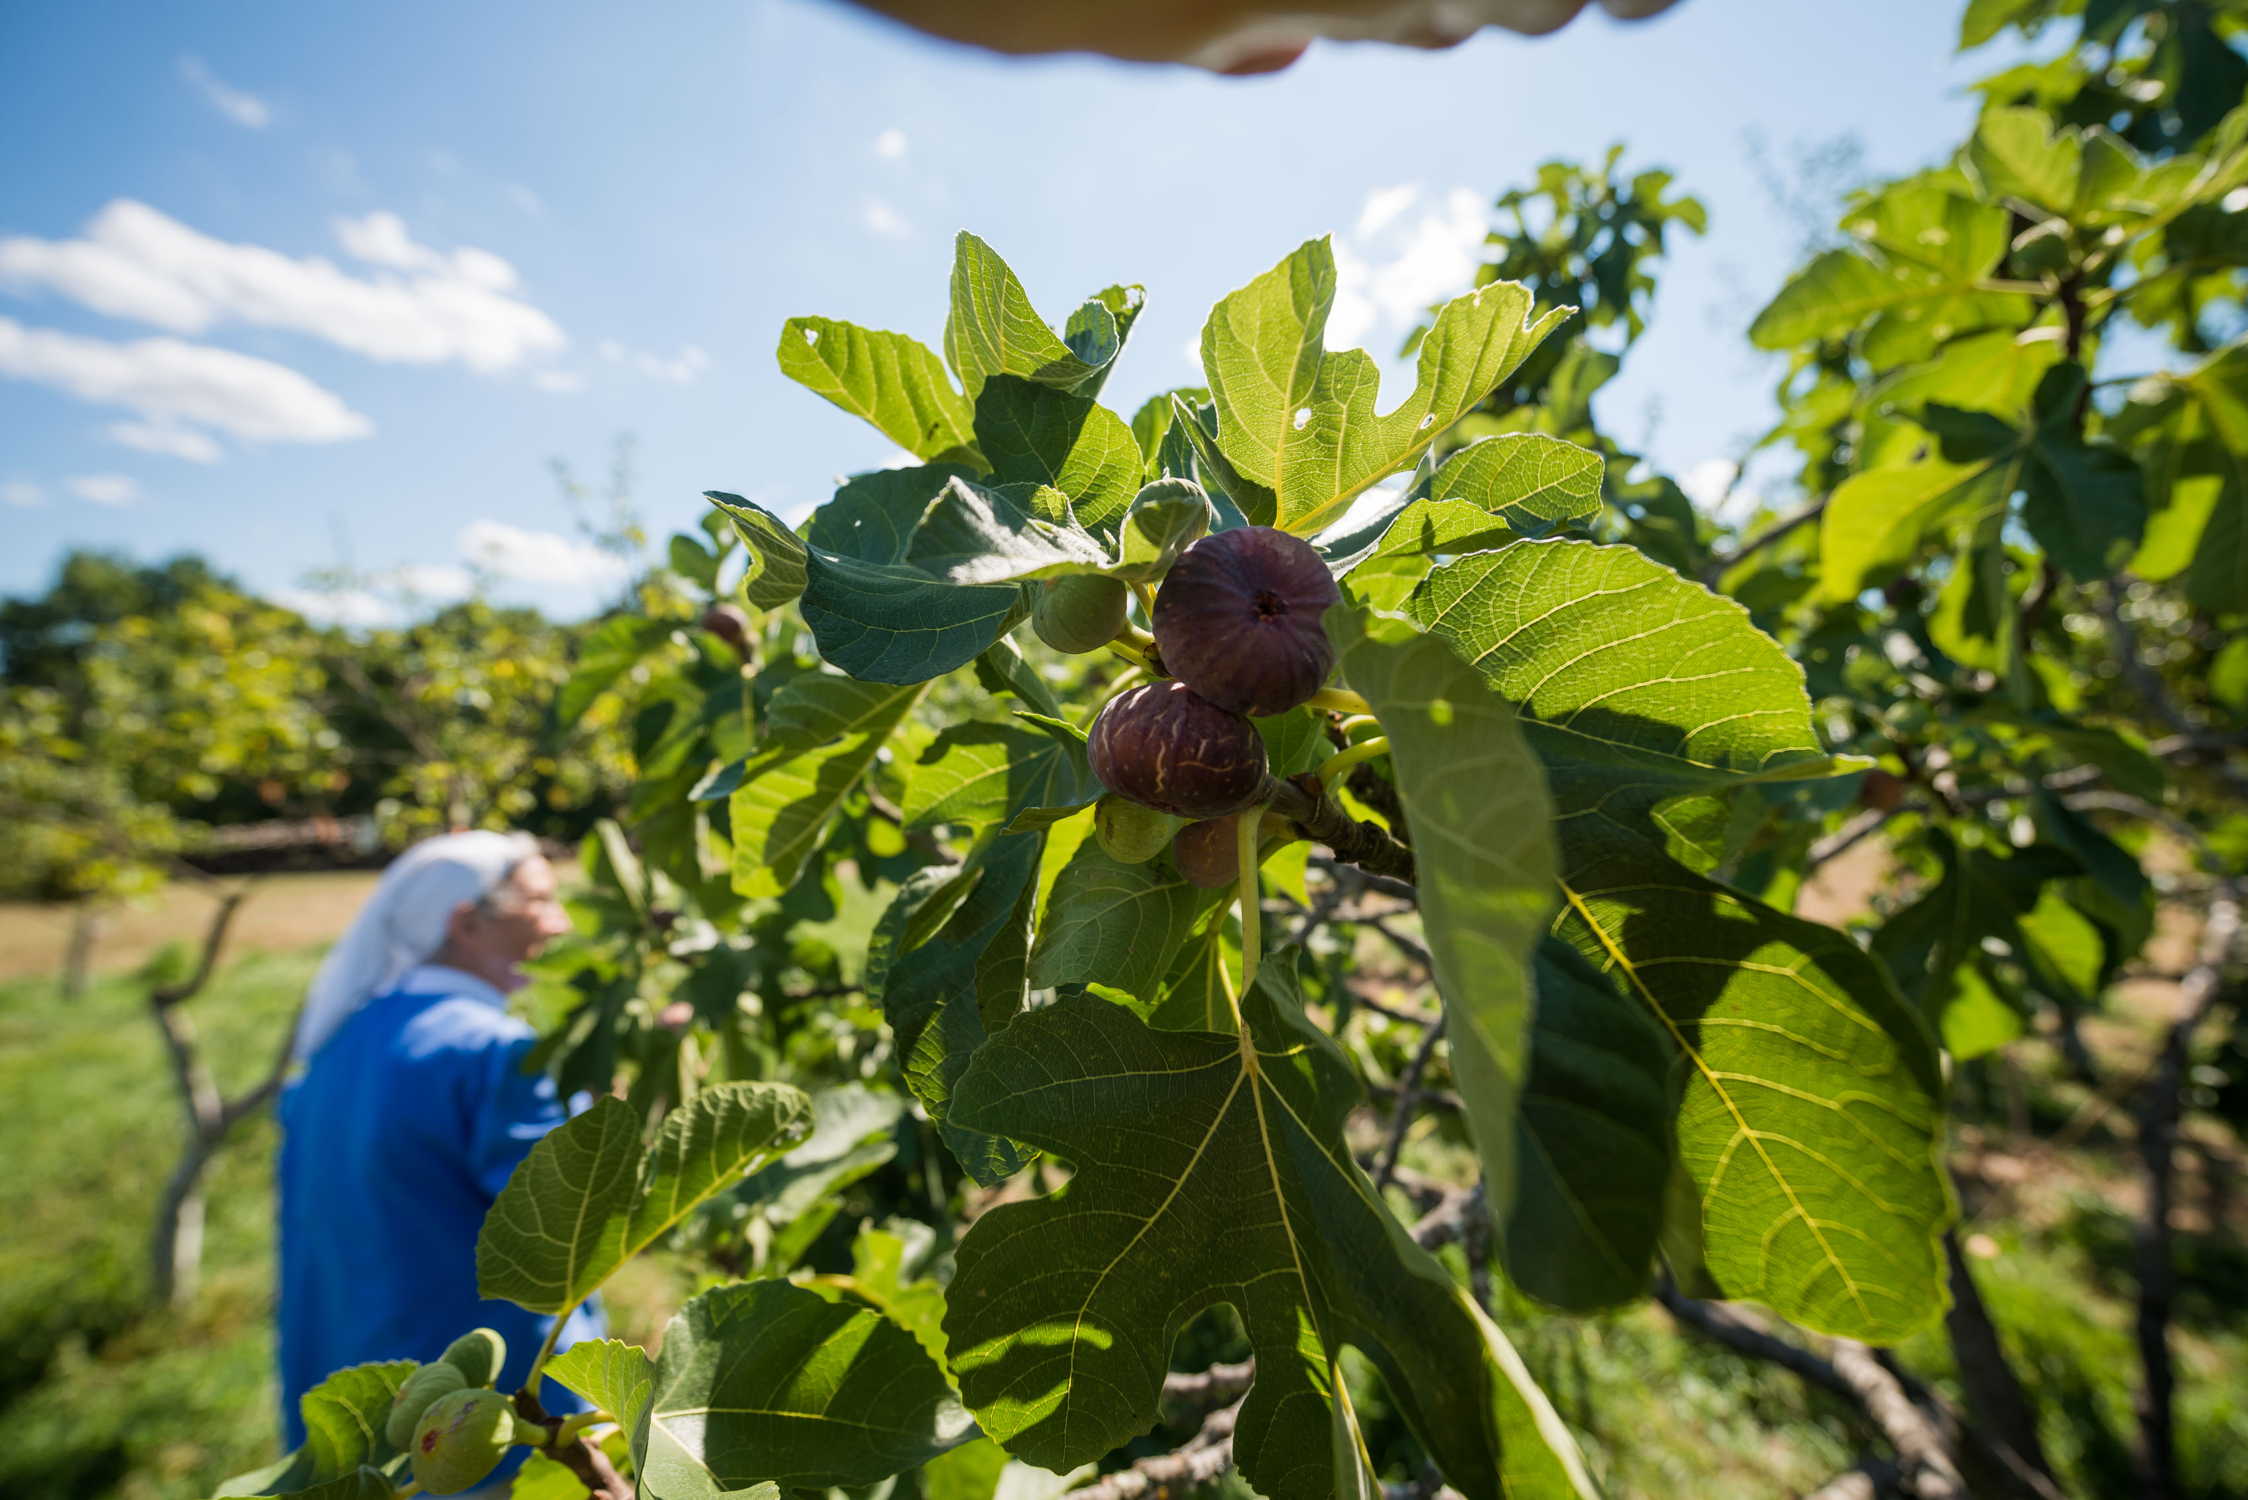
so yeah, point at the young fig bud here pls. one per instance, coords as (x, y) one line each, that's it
(478, 1355)
(422, 1387)
(1238, 619)
(1129, 833)
(460, 1439)
(1167, 748)
(1080, 612)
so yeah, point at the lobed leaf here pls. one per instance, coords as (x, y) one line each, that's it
(1213, 1168)
(1301, 422)
(766, 1381)
(1483, 854)
(589, 1196)
(896, 384)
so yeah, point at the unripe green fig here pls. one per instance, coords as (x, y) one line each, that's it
(478, 1355)
(422, 1387)
(1079, 613)
(1129, 833)
(460, 1439)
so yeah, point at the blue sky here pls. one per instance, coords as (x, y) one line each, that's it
(296, 286)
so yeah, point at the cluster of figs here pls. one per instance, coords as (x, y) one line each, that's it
(1237, 630)
(454, 1427)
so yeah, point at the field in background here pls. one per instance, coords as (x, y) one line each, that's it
(287, 913)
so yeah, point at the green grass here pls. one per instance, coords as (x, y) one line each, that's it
(102, 1397)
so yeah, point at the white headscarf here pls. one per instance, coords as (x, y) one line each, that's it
(404, 922)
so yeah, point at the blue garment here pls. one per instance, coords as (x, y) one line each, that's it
(395, 1140)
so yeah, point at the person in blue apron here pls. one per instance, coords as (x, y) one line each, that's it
(411, 1109)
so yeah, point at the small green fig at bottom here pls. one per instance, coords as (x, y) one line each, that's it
(422, 1387)
(478, 1355)
(461, 1438)
(1129, 833)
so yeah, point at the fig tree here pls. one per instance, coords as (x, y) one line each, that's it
(1237, 619)
(460, 1439)
(422, 1387)
(478, 1355)
(1129, 833)
(1079, 613)
(1166, 747)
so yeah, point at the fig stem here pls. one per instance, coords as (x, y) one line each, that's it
(1146, 596)
(1357, 722)
(410, 1487)
(1337, 764)
(546, 1350)
(1132, 654)
(1248, 832)
(571, 1426)
(1341, 700)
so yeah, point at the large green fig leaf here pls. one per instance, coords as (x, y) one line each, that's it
(975, 535)
(983, 773)
(873, 516)
(882, 622)
(1115, 924)
(1635, 685)
(1301, 422)
(1212, 1168)
(344, 1417)
(1035, 434)
(590, 1196)
(1809, 1116)
(895, 383)
(946, 995)
(1593, 1149)
(825, 733)
(360, 1484)
(993, 330)
(763, 1380)
(1483, 852)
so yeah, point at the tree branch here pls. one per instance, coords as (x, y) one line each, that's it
(1718, 567)
(2158, 1136)
(1305, 802)
(1203, 1458)
(1408, 1098)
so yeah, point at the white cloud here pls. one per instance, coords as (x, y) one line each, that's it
(1409, 248)
(178, 383)
(358, 608)
(430, 308)
(683, 368)
(890, 144)
(116, 491)
(243, 109)
(167, 438)
(22, 494)
(559, 382)
(545, 557)
(878, 216)
(434, 581)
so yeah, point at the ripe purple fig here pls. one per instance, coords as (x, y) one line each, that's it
(1237, 619)
(1167, 748)
(1207, 855)
(730, 624)
(1206, 852)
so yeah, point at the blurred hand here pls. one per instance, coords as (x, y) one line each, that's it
(1231, 36)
